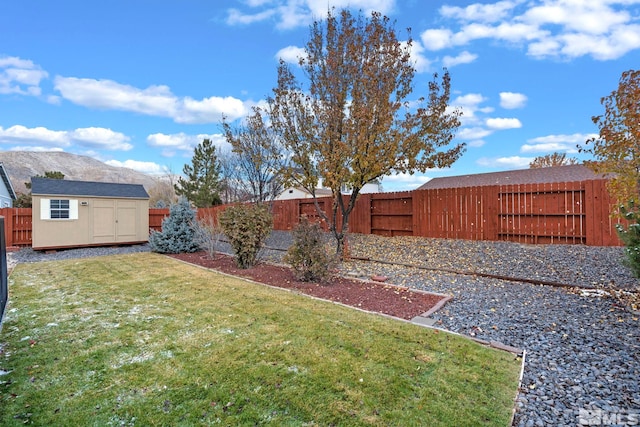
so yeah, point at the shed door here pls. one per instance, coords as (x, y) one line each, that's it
(126, 230)
(104, 221)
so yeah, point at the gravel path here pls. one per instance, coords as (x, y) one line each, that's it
(583, 352)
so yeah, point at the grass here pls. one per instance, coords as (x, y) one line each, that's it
(142, 339)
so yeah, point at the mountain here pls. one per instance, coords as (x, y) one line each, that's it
(22, 165)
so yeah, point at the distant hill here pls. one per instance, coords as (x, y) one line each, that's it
(22, 165)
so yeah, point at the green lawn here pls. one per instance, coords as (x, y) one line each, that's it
(146, 340)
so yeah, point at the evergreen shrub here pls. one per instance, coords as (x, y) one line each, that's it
(247, 228)
(178, 233)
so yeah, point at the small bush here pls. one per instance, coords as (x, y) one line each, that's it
(207, 235)
(177, 235)
(307, 255)
(631, 237)
(247, 228)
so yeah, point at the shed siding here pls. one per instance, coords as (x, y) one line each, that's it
(99, 221)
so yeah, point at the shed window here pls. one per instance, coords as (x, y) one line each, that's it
(59, 209)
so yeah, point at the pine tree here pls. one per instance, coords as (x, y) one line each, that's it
(202, 184)
(178, 231)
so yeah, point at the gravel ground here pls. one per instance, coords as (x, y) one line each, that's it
(29, 255)
(583, 351)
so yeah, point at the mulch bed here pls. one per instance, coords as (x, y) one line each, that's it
(392, 300)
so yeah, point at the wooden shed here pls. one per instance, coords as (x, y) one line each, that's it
(69, 214)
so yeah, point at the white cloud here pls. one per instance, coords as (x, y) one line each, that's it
(291, 54)
(101, 138)
(152, 101)
(511, 100)
(437, 39)
(549, 147)
(479, 12)
(403, 182)
(557, 143)
(513, 162)
(290, 14)
(85, 137)
(107, 94)
(20, 76)
(210, 110)
(236, 17)
(476, 143)
(144, 167)
(469, 104)
(506, 31)
(184, 143)
(591, 17)
(463, 58)
(473, 133)
(15, 62)
(469, 100)
(475, 127)
(503, 123)
(37, 135)
(567, 29)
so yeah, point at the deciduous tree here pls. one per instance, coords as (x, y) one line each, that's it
(257, 157)
(357, 119)
(553, 159)
(617, 148)
(201, 184)
(162, 194)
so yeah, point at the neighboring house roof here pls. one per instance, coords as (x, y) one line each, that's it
(566, 173)
(320, 192)
(7, 182)
(64, 187)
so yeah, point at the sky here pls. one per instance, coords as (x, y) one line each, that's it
(140, 83)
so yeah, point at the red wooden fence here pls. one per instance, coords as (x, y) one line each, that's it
(17, 226)
(568, 212)
(157, 215)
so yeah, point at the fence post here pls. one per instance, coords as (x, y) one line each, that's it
(491, 201)
(592, 219)
(9, 215)
(4, 287)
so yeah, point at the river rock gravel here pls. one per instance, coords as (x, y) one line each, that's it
(582, 348)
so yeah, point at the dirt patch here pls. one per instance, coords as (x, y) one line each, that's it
(377, 297)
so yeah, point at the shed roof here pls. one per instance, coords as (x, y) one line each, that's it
(567, 173)
(64, 187)
(7, 182)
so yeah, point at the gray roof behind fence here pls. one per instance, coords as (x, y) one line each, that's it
(568, 173)
(64, 187)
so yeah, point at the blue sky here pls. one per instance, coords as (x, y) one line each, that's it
(140, 83)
